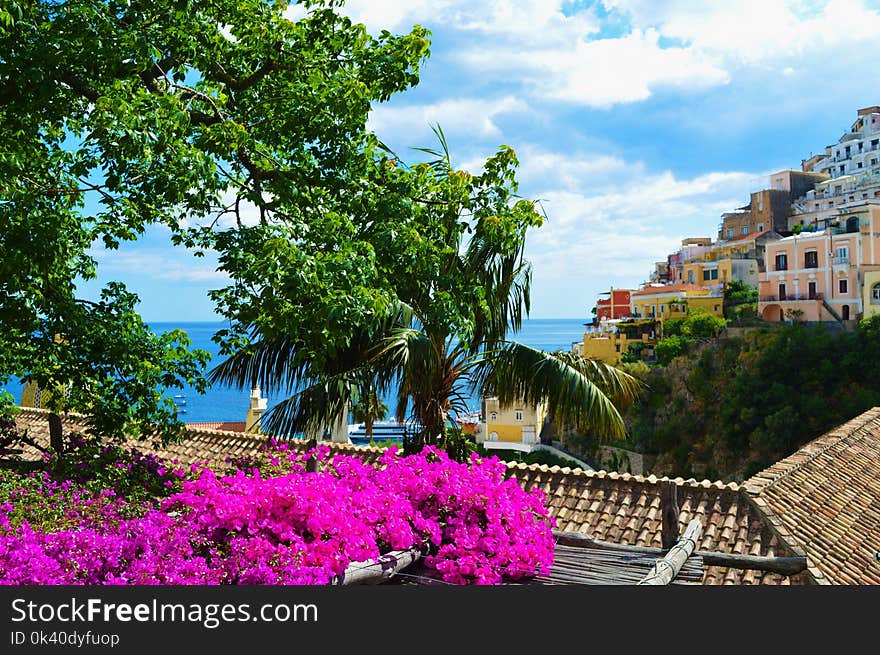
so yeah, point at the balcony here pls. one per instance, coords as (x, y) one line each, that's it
(793, 297)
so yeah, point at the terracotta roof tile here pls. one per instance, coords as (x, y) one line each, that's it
(823, 501)
(626, 509)
(827, 497)
(667, 288)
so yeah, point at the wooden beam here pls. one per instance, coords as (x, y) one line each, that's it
(379, 570)
(664, 570)
(669, 510)
(781, 565)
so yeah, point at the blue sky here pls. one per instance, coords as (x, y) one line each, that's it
(636, 122)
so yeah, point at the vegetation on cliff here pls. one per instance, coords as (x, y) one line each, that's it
(730, 407)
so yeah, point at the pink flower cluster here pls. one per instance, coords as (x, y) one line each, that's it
(291, 526)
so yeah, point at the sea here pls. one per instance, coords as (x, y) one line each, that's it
(223, 403)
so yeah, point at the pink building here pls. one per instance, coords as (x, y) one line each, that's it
(819, 276)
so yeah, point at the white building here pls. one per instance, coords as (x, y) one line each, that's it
(853, 166)
(857, 151)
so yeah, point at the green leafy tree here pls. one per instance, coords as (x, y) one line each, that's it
(702, 325)
(445, 335)
(235, 128)
(671, 347)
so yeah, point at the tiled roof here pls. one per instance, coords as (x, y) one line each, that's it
(827, 495)
(747, 237)
(625, 509)
(226, 426)
(823, 500)
(201, 445)
(667, 288)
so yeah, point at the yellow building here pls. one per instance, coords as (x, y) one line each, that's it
(516, 424)
(611, 341)
(662, 302)
(33, 396)
(256, 410)
(871, 293)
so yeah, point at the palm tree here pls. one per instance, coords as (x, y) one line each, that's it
(435, 352)
(368, 407)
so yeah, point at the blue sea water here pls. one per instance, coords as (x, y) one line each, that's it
(227, 404)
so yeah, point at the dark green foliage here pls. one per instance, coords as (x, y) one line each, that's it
(535, 457)
(733, 407)
(740, 301)
(633, 353)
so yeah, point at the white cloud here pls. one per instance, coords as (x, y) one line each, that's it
(160, 264)
(603, 72)
(756, 31)
(463, 116)
(527, 20)
(611, 233)
(558, 50)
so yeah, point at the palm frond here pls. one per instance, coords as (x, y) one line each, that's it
(312, 409)
(277, 365)
(578, 391)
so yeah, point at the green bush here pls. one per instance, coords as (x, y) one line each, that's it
(671, 347)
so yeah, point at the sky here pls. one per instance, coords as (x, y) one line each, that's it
(637, 123)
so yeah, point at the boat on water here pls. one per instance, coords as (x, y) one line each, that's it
(389, 431)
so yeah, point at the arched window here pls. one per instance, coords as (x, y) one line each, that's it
(875, 294)
(493, 416)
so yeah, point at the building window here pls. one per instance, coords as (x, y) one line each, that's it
(493, 436)
(730, 233)
(812, 290)
(493, 416)
(782, 292)
(745, 229)
(662, 308)
(843, 286)
(811, 259)
(875, 294)
(714, 273)
(845, 313)
(706, 274)
(782, 262)
(691, 277)
(760, 227)
(842, 255)
(519, 415)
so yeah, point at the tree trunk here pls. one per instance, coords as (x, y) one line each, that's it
(368, 426)
(312, 463)
(56, 438)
